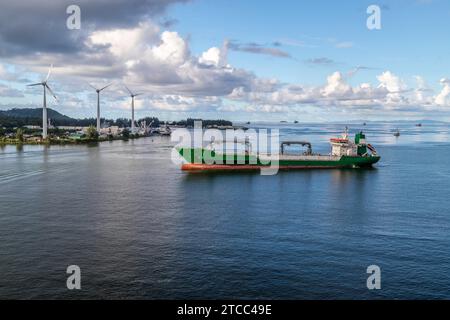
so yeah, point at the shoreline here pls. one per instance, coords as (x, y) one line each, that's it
(15, 142)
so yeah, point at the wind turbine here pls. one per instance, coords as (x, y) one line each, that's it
(44, 84)
(132, 95)
(98, 102)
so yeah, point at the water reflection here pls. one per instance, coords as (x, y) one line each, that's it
(145, 229)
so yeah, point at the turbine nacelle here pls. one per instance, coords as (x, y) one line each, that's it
(44, 83)
(132, 95)
(98, 90)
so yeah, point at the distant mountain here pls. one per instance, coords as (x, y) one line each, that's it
(33, 113)
(28, 116)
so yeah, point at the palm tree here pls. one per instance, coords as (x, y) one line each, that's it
(19, 135)
(91, 133)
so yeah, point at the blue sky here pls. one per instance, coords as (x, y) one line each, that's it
(411, 41)
(238, 60)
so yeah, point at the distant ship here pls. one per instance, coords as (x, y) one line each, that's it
(165, 131)
(418, 125)
(295, 121)
(344, 154)
(397, 133)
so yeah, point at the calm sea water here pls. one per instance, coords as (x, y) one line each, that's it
(138, 227)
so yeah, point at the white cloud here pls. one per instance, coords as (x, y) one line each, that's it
(173, 49)
(395, 87)
(211, 57)
(391, 82)
(336, 86)
(183, 103)
(126, 43)
(443, 98)
(389, 94)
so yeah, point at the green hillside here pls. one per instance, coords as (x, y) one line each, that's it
(28, 116)
(32, 113)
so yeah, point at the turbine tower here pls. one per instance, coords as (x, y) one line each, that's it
(45, 86)
(132, 95)
(98, 102)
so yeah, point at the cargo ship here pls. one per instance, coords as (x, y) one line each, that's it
(345, 153)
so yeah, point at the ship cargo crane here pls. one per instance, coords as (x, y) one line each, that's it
(301, 143)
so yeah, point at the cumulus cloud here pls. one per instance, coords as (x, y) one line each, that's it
(152, 60)
(391, 93)
(336, 86)
(394, 85)
(210, 57)
(443, 98)
(391, 82)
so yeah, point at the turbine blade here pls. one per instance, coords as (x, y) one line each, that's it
(54, 96)
(49, 72)
(131, 93)
(105, 87)
(138, 94)
(34, 84)
(90, 85)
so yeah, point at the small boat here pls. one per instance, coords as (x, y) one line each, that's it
(165, 131)
(397, 133)
(345, 153)
(418, 125)
(295, 121)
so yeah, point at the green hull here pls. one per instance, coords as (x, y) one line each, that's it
(202, 159)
